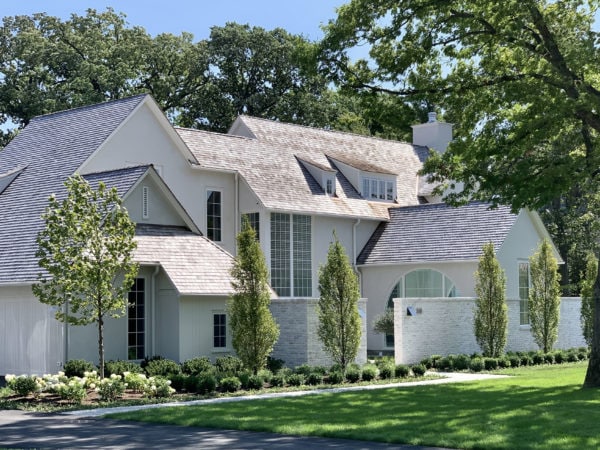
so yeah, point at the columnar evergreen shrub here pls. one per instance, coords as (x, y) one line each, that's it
(587, 297)
(491, 316)
(544, 297)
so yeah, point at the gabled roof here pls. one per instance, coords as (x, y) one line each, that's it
(437, 232)
(194, 264)
(267, 153)
(51, 148)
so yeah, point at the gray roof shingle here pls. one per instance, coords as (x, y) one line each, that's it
(270, 165)
(51, 148)
(437, 232)
(194, 264)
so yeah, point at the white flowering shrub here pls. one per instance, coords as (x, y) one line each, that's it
(73, 390)
(158, 387)
(136, 382)
(110, 389)
(24, 385)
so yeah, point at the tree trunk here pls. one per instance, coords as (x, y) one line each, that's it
(101, 346)
(592, 377)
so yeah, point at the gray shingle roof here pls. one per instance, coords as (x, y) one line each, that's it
(437, 232)
(52, 147)
(270, 165)
(194, 264)
(122, 179)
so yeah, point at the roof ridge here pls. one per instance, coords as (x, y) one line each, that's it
(121, 169)
(346, 133)
(84, 107)
(196, 130)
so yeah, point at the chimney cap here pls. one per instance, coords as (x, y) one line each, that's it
(431, 117)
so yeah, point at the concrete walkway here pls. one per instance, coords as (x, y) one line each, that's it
(84, 429)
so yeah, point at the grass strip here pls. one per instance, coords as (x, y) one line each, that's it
(538, 408)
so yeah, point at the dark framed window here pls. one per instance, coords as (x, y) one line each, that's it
(213, 215)
(136, 320)
(219, 330)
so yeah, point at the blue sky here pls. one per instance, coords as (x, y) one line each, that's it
(195, 16)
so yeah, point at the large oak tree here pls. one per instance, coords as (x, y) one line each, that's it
(519, 78)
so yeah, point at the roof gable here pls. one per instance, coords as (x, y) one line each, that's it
(51, 147)
(437, 232)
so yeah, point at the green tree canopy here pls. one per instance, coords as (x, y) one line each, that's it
(520, 80)
(85, 250)
(253, 328)
(339, 322)
(490, 315)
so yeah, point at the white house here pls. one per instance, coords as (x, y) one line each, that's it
(187, 190)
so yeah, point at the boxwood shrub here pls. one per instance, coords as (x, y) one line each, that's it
(418, 370)
(403, 371)
(77, 367)
(230, 384)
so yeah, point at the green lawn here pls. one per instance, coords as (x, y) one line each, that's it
(538, 408)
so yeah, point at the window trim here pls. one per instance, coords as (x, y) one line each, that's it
(129, 332)
(209, 190)
(214, 335)
(523, 301)
(378, 189)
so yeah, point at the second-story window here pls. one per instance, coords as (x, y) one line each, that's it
(378, 189)
(213, 215)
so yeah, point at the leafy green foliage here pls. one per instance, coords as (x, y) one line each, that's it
(230, 384)
(490, 316)
(339, 322)
(418, 370)
(196, 366)
(384, 323)
(119, 367)
(228, 365)
(253, 328)
(85, 251)
(162, 367)
(77, 367)
(544, 297)
(587, 297)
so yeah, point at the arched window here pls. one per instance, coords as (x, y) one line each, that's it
(420, 283)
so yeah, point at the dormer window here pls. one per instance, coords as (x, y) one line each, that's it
(330, 186)
(378, 189)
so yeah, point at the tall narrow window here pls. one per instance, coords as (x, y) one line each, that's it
(254, 222)
(329, 186)
(291, 256)
(136, 329)
(145, 214)
(302, 256)
(524, 293)
(213, 215)
(219, 330)
(281, 254)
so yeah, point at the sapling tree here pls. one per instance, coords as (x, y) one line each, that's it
(85, 251)
(339, 322)
(544, 297)
(253, 328)
(491, 317)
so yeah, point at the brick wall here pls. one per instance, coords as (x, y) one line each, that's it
(298, 340)
(442, 326)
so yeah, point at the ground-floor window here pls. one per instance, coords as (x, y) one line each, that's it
(136, 320)
(524, 293)
(219, 330)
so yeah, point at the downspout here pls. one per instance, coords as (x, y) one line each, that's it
(237, 210)
(153, 284)
(66, 356)
(354, 254)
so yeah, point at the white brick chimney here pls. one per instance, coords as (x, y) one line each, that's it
(433, 134)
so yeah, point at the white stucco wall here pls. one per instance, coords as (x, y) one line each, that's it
(445, 326)
(31, 339)
(145, 140)
(196, 327)
(379, 281)
(160, 210)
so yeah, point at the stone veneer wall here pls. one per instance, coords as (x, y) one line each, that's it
(298, 340)
(443, 326)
